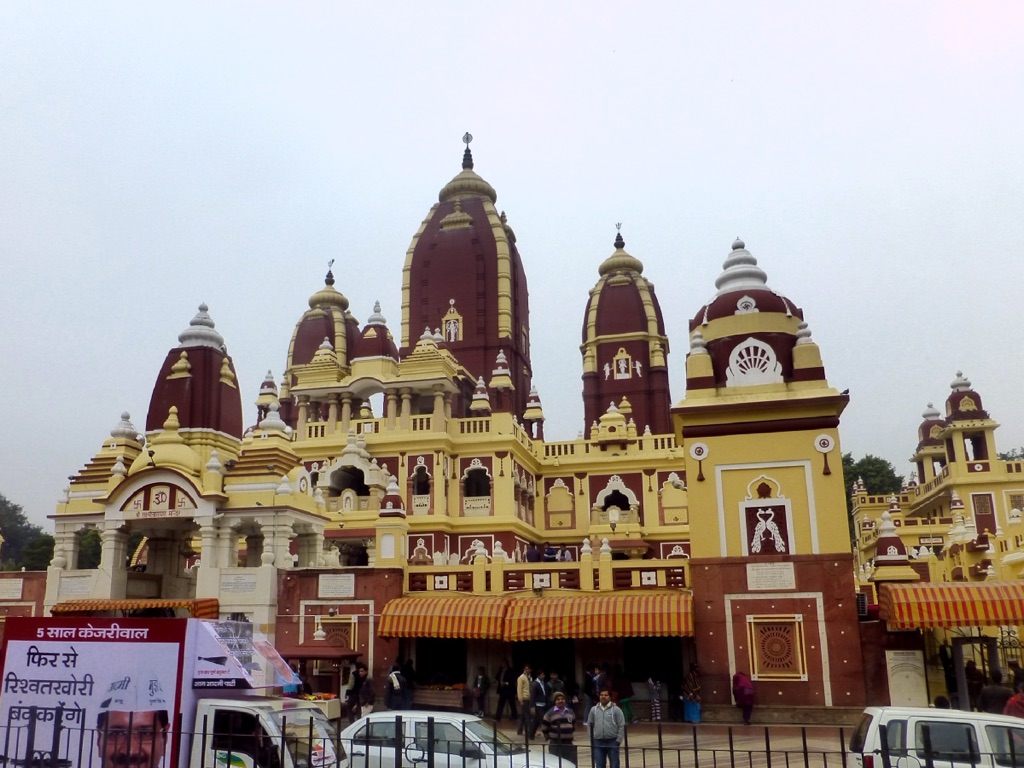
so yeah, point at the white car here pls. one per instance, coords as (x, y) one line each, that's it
(457, 741)
(958, 739)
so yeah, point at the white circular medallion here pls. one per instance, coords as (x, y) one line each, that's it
(699, 451)
(824, 443)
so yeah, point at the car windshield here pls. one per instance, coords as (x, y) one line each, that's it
(486, 733)
(309, 736)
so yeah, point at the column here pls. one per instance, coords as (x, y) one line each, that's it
(332, 413)
(317, 554)
(227, 548)
(405, 418)
(346, 412)
(391, 408)
(283, 534)
(208, 547)
(438, 424)
(303, 416)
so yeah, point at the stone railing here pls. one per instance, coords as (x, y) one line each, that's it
(592, 573)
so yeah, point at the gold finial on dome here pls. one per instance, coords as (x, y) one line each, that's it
(620, 260)
(467, 183)
(328, 295)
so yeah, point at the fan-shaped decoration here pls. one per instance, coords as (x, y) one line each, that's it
(752, 362)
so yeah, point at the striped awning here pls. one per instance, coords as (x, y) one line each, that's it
(202, 608)
(951, 604)
(452, 616)
(637, 614)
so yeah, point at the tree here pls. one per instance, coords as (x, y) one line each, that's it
(18, 534)
(1015, 455)
(879, 475)
(38, 553)
(90, 548)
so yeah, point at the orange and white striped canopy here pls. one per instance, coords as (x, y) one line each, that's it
(951, 604)
(200, 608)
(465, 616)
(633, 614)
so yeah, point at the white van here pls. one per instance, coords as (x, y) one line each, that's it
(958, 739)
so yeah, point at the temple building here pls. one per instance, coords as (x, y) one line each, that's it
(944, 557)
(393, 495)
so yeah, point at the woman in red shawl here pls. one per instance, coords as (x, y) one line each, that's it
(1015, 706)
(743, 692)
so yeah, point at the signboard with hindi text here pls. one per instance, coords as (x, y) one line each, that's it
(68, 677)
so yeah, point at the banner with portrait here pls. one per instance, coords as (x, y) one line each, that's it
(77, 685)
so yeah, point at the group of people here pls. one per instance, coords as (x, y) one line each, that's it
(742, 692)
(1001, 695)
(362, 693)
(538, 553)
(545, 704)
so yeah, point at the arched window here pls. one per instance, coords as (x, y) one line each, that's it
(616, 499)
(420, 482)
(478, 483)
(349, 478)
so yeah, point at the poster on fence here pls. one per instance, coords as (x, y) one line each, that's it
(77, 685)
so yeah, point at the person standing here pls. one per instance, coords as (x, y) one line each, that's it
(624, 690)
(352, 694)
(394, 688)
(589, 692)
(523, 683)
(607, 727)
(1017, 674)
(691, 695)
(975, 682)
(505, 684)
(555, 685)
(654, 686)
(481, 685)
(559, 725)
(993, 697)
(409, 673)
(540, 697)
(743, 692)
(367, 695)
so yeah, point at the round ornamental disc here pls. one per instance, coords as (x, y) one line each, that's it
(699, 451)
(824, 443)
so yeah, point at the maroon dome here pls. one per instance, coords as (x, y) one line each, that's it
(198, 378)
(464, 276)
(933, 423)
(375, 340)
(963, 403)
(763, 353)
(727, 304)
(624, 345)
(327, 318)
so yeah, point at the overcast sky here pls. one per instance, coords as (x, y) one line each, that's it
(156, 156)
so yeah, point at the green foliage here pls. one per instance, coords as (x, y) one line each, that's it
(38, 553)
(879, 477)
(90, 547)
(1015, 455)
(19, 535)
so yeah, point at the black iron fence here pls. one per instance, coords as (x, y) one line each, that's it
(417, 740)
